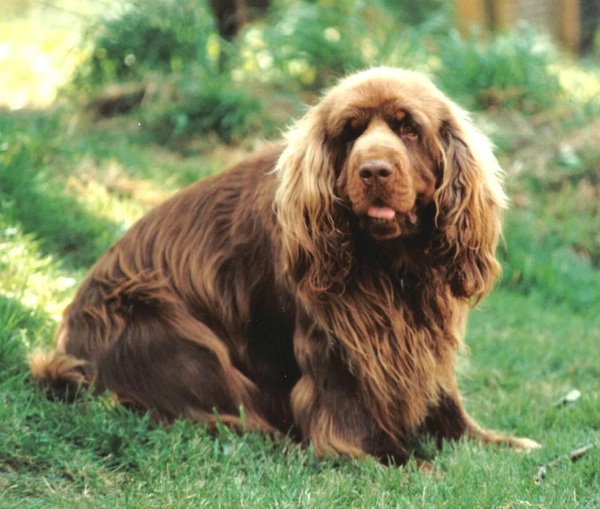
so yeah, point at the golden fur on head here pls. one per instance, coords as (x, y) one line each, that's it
(442, 169)
(322, 284)
(468, 197)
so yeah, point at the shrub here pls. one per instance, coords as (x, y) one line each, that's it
(511, 70)
(306, 44)
(303, 45)
(145, 37)
(172, 48)
(311, 41)
(204, 104)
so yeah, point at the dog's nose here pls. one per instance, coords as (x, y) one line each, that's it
(375, 172)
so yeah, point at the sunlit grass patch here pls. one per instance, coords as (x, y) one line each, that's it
(28, 276)
(582, 83)
(36, 59)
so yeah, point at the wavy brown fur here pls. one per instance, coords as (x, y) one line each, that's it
(322, 284)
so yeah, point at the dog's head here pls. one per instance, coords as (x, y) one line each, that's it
(385, 149)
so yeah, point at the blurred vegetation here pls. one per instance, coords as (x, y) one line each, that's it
(172, 47)
(31, 195)
(511, 70)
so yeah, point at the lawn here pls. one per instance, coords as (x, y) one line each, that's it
(70, 184)
(526, 355)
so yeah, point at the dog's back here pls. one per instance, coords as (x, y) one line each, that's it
(174, 316)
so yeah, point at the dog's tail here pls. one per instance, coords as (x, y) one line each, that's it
(61, 374)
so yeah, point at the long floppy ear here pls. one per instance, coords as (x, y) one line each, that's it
(314, 240)
(469, 202)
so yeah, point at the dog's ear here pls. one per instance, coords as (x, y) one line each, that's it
(313, 238)
(469, 202)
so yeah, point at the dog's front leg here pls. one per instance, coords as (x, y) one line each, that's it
(327, 404)
(450, 421)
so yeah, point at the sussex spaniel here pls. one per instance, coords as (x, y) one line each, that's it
(319, 288)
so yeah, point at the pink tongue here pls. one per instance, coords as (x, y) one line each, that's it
(381, 213)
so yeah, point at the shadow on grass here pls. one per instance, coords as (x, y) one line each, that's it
(535, 260)
(31, 196)
(16, 320)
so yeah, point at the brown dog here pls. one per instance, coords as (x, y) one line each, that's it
(322, 284)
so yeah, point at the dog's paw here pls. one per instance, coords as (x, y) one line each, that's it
(523, 444)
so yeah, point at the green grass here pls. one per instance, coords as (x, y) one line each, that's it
(525, 356)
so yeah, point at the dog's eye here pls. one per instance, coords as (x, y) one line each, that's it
(404, 126)
(408, 130)
(352, 130)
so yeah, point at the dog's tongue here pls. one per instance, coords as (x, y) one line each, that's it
(381, 213)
